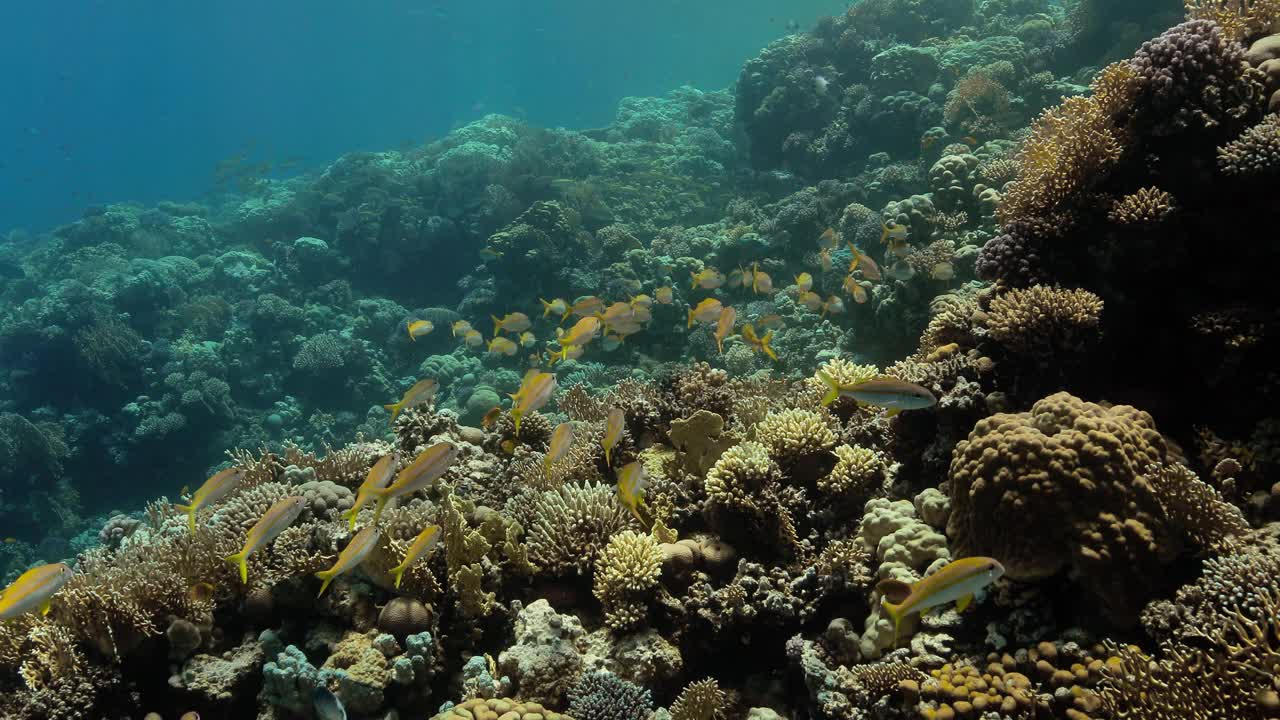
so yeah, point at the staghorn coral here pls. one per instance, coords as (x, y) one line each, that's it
(1255, 152)
(1147, 206)
(605, 696)
(1069, 145)
(1238, 19)
(566, 528)
(1042, 321)
(1065, 482)
(626, 577)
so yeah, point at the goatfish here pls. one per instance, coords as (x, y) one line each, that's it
(756, 342)
(870, 270)
(664, 295)
(351, 556)
(891, 393)
(422, 393)
(534, 392)
(614, 424)
(557, 306)
(502, 346)
(957, 581)
(460, 327)
(561, 441)
(379, 476)
(274, 521)
(804, 281)
(760, 281)
(892, 232)
(213, 490)
(421, 546)
(424, 470)
(472, 337)
(724, 326)
(419, 328)
(707, 278)
(516, 322)
(707, 311)
(582, 332)
(631, 484)
(33, 590)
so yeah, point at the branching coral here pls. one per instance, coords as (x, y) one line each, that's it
(1238, 19)
(1147, 206)
(566, 528)
(626, 578)
(859, 472)
(701, 700)
(1043, 320)
(793, 434)
(1255, 152)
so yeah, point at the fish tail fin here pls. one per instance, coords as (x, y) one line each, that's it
(327, 576)
(382, 505)
(190, 510)
(607, 461)
(397, 574)
(497, 325)
(516, 416)
(720, 345)
(394, 409)
(409, 327)
(833, 388)
(690, 319)
(766, 347)
(241, 561)
(693, 284)
(351, 515)
(894, 611)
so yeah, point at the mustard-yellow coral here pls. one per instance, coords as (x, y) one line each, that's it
(1044, 320)
(1147, 206)
(792, 434)
(627, 577)
(859, 472)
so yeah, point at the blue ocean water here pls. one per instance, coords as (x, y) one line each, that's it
(116, 101)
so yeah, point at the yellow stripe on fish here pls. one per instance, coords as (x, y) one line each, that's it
(33, 590)
(273, 522)
(351, 556)
(422, 472)
(422, 545)
(422, 392)
(957, 582)
(379, 476)
(213, 490)
(614, 424)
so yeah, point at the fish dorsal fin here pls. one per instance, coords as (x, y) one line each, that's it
(963, 602)
(893, 591)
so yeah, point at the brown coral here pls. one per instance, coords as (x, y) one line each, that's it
(627, 577)
(1042, 320)
(1060, 486)
(1147, 206)
(1255, 152)
(700, 700)
(1238, 19)
(566, 528)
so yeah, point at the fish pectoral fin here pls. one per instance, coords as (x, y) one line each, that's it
(964, 602)
(893, 591)
(44, 607)
(893, 411)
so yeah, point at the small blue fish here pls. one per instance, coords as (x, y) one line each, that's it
(327, 705)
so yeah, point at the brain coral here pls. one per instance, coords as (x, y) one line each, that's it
(1061, 487)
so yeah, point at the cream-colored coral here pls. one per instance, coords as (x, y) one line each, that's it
(499, 709)
(700, 700)
(904, 548)
(739, 476)
(1237, 18)
(566, 528)
(626, 577)
(1255, 152)
(1147, 206)
(793, 434)
(859, 471)
(844, 372)
(1042, 319)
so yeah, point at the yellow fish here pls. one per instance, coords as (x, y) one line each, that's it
(760, 281)
(641, 313)
(631, 484)
(828, 240)
(614, 424)
(422, 545)
(724, 326)
(890, 393)
(870, 270)
(534, 393)
(708, 279)
(619, 313)
(804, 281)
(759, 343)
(810, 300)
(557, 306)
(585, 307)
(201, 592)
(665, 295)
(581, 333)
(490, 418)
(772, 321)
(424, 470)
(957, 581)
(893, 232)
(855, 289)
(460, 327)
(274, 521)
(213, 490)
(419, 328)
(378, 477)
(489, 253)
(561, 441)
(472, 338)
(515, 322)
(527, 339)
(641, 300)
(502, 346)
(707, 311)
(422, 393)
(833, 305)
(351, 556)
(567, 352)
(943, 271)
(33, 589)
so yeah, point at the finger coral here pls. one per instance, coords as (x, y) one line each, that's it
(1255, 152)
(626, 577)
(1147, 206)
(1043, 320)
